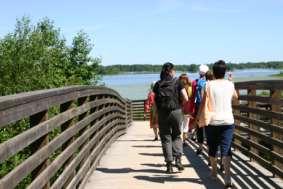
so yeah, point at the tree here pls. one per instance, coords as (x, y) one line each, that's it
(83, 66)
(36, 57)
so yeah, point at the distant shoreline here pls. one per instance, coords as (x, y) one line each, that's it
(280, 75)
(191, 68)
(182, 71)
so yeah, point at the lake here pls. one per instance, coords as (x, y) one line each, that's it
(136, 86)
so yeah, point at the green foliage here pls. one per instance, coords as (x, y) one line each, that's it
(116, 69)
(280, 75)
(37, 57)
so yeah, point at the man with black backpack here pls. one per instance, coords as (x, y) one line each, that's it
(167, 98)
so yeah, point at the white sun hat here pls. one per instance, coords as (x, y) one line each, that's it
(203, 69)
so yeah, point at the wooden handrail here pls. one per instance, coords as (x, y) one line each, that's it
(139, 113)
(258, 119)
(65, 132)
(259, 123)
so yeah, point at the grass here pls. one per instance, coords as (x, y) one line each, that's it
(280, 75)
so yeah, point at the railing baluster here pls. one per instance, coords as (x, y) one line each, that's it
(35, 120)
(252, 104)
(276, 94)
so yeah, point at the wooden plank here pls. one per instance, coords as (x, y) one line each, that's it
(259, 123)
(276, 94)
(18, 173)
(94, 165)
(63, 157)
(259, 112)
(38, 144)
(14, 145)
(72, 166)
(82, 172)
(26, 97)
(260, 160)
(262, 99)
(274, 155)
(19, 107)
(262, 85)
(261, 136)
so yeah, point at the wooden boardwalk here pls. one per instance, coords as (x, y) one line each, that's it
(135, 161)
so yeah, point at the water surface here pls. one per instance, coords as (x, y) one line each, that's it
(136, 86)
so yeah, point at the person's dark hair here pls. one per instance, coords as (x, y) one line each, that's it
(166, 70)
(219, 69)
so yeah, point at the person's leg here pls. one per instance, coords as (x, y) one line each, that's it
(200, 140)
(155, 131)
(185, 128)
(175, 119)
(212, 142)
(166, 139)
(226, 142)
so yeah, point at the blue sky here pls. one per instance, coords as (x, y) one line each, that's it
(155, 31)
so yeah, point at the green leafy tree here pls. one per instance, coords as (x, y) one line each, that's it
(37, 57)
(83, 67)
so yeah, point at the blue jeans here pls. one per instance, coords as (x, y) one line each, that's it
(222, 136)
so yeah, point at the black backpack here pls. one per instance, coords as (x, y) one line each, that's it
(167, 95)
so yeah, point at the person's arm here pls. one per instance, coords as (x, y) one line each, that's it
(201, 108)
(235, 95)
(184, 95)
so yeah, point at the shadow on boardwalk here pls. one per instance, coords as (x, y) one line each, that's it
(159, 176)
(245, 174)
(134, 161)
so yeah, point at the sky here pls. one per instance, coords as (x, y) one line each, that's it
(156, 31)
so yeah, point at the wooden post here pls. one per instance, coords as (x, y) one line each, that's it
(64, 107)
(276, 94)
(82, 101)
(92, 111)
(252, 104)
(237, 121)
(41, 142)
(126, 114)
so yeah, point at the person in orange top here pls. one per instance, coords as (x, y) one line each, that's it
(150, 107)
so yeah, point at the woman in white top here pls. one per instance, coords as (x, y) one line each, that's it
(219, 94)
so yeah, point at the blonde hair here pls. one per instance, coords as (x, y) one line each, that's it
(209, 75)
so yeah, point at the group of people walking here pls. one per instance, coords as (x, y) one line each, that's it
(179, 106)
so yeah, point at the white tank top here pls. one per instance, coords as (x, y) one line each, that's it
(221, 93)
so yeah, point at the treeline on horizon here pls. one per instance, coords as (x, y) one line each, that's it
(149, 68)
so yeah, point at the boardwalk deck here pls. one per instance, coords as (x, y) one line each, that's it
(136, 162)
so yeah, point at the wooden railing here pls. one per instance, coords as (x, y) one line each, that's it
(138, 110)
(63, 133)
(259, 123)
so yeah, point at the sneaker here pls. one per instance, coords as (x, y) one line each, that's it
(199, 151)
(169, 169)
(229, 185)
(179, 164)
